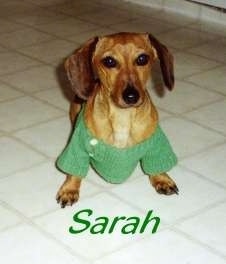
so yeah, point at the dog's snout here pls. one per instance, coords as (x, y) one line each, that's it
(130, 95)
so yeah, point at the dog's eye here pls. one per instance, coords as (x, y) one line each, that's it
(109, 62)
(142, 59)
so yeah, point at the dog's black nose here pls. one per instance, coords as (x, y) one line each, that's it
(130, 95)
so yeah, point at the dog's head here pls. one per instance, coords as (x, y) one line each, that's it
(122, 64)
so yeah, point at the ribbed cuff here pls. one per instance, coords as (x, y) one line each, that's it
(163, 164)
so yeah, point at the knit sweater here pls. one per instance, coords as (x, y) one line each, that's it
(114, 164)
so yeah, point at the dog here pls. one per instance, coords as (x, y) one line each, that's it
(110, 74)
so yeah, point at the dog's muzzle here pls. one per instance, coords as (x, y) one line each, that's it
(130, 95)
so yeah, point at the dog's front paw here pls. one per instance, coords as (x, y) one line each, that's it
(67, 197)
(68, 193)
(163, 184)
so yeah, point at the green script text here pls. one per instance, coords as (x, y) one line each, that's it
(104, 224)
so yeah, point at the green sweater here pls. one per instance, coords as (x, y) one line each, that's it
(114, 164)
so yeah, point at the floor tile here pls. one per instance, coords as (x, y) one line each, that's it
(24, 112)
(58, 223)
(162, 248)
(7, 26)
(36, 189)
(107, 16)
(206, 50)
(8, 218)
(185, 97)
(188, 138)
(184, 38)
(33, 80)
(23, 38)
(171, 208)
(17, 62)
(15, 156)
(136, 9)
(9, 8)
(76, 8)
(83, 37)
(7, 93)
(49, 138)
(214, 79)
(163, 115)
(208, 227)
(187, 9)
(143, 25)
(212, 116)
(210, 164)
(112, 3)
(188, 64)
(54, 50)
(37, 17)
(44, 3)
(66, 27)
(54, 97)
(172, 17)
(207, 26)
(24, 244)
(2, 49)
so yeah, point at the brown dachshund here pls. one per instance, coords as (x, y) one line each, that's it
(110, 74)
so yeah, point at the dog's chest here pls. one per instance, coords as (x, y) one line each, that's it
(121, 137)
(121, 130)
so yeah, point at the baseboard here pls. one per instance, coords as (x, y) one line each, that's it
(188, 8)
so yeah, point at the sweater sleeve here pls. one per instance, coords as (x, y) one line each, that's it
(160, 157)
(74, 160)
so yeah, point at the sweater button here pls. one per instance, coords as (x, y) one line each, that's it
(93, 141)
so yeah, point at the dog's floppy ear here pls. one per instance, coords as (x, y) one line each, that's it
(79, 69)
(166, 61)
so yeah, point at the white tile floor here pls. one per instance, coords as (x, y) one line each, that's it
(34, 126)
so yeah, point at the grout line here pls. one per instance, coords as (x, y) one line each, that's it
(39, 42)
(221, 63)
(198, 212)
(220, 143)
(203, 126)
(57, 37)
(27, 145)
(184, 51)
(46, 234)
(201, 42)
(205, 104)
(187, 119)
(11, 132)
(205, 88)
(7, 175)
(13, 98)
(127, 244)
(202, 244)
(38, 63)
(203, 177)
(34, 96)
(45, 161)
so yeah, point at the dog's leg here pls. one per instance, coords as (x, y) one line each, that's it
(69, 191)
(163, 184)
